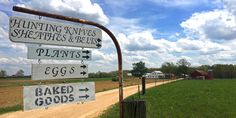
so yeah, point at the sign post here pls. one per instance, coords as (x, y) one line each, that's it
(77, 20)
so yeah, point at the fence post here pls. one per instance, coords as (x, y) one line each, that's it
(134, 109)
(143, 85)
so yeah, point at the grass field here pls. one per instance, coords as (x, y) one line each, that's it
(188, 99)
(27, 81)
(11, 90)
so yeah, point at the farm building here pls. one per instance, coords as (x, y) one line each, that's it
(198, 74)
(155, 74)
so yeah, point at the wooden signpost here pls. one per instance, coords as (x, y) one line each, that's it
(50, 33)
(58, 53)
(40, 96)
(59, 71)
(26, 30)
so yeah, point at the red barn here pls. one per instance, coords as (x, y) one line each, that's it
(198, 74)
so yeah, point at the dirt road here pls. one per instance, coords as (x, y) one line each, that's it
(86, 110)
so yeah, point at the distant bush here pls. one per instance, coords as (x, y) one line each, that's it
(115, 79)
(100, 74)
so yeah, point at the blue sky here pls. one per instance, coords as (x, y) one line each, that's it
(165, 18)
(153, 31)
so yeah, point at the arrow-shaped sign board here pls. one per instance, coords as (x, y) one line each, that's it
(59, 71)
(24, 30)
(40, 96)
(58, 53)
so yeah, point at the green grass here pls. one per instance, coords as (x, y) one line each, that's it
(188, 99)
(11, 82)
(10, 109)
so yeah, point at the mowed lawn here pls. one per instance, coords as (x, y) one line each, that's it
(188, 99)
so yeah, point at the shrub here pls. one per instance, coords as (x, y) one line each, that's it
(115, 79)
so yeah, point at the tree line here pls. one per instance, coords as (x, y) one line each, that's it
(181, 68)
(19, 73)
(113, 74)
(184, 67)
(224, 71)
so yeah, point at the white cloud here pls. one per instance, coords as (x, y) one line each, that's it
(13, 54)
(3, 35)
(190, 45)
(5, 44)
(121, 3)
(196, 51)
(5, 2)
(167, 46)
(97, 55)
(142, 46)
(213, 25)
(179, 3)
(204, 30)
(230, 5)
(125, 25)
(18, 60)
(76, 8)
(201, 46)
(141, 41)
(4, 20)
(211, 34)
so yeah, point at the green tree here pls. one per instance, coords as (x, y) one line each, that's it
(224, 71)
(3, 73)
(168, 67)
(20, 73)
(139, 69)
(204, 67)
(183, 67)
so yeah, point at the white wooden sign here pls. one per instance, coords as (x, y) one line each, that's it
(26, 30)
(58, 53)
(39, 96)
(59, 71)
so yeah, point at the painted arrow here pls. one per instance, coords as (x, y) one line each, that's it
(83, 66)
(86, 89)
(86, 96)
(98, 45)
(99, 40)
(83, 73)
(86, 51)
(86, 57)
